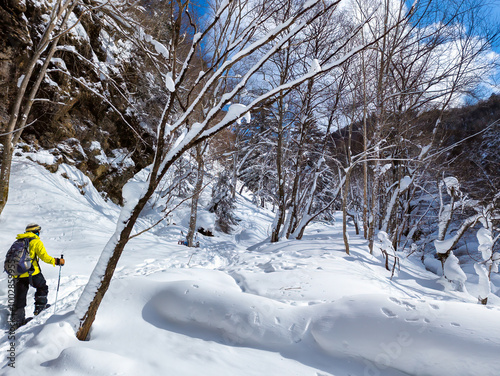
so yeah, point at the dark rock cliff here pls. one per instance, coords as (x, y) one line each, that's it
(88, 117)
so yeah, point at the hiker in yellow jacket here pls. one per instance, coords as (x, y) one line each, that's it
(36, 279)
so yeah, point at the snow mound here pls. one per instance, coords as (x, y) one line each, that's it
(410, 335)
(43, 347)
(386, 332)
(75, 361)
(234, 317)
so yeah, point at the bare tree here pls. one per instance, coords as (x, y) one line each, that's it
(316, 103)
(413, 68)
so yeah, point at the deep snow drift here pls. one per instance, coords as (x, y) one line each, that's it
(237, 305)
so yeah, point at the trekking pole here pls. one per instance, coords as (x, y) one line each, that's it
(58, 283)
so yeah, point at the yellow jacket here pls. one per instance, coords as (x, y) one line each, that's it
(36, 249)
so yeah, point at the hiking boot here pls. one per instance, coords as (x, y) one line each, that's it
(14, 325)
(39, 309)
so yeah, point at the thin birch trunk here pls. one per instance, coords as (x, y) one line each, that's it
(194, 201)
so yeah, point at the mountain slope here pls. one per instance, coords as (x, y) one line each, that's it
(237, 305)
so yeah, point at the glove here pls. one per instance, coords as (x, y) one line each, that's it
(60, 261)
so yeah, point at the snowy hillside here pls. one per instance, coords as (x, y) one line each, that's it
(237, 305)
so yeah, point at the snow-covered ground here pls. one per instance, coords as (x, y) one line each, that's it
(237, 305)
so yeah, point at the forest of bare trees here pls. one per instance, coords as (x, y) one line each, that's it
(313, 106)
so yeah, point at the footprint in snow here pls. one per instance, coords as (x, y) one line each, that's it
(388, 312)
(411, 319)
(454, 324)
(409, 306)
(394, 300)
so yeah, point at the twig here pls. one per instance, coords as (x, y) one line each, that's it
(167, 213)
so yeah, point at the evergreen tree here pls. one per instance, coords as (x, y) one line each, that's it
(223, 203)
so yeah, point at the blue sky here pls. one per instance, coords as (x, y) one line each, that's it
(496, 17)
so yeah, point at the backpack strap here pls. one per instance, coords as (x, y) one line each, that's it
(30, 272)
(36, 256)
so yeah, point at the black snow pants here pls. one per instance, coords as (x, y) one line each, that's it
(21, 290)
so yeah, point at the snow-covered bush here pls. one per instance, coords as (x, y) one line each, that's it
(490, 258)
(483, 283)
(454, 273)
(445, 242)
(388, 251)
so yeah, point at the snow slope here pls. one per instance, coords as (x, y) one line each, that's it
(237, 305)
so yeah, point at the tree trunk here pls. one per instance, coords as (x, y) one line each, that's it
(5, 171)
(235, 175)
(299, 161)
(87, 320)
(374, 208)
(344, 211)
(365, 150)
(194, 201)
(280, 213)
